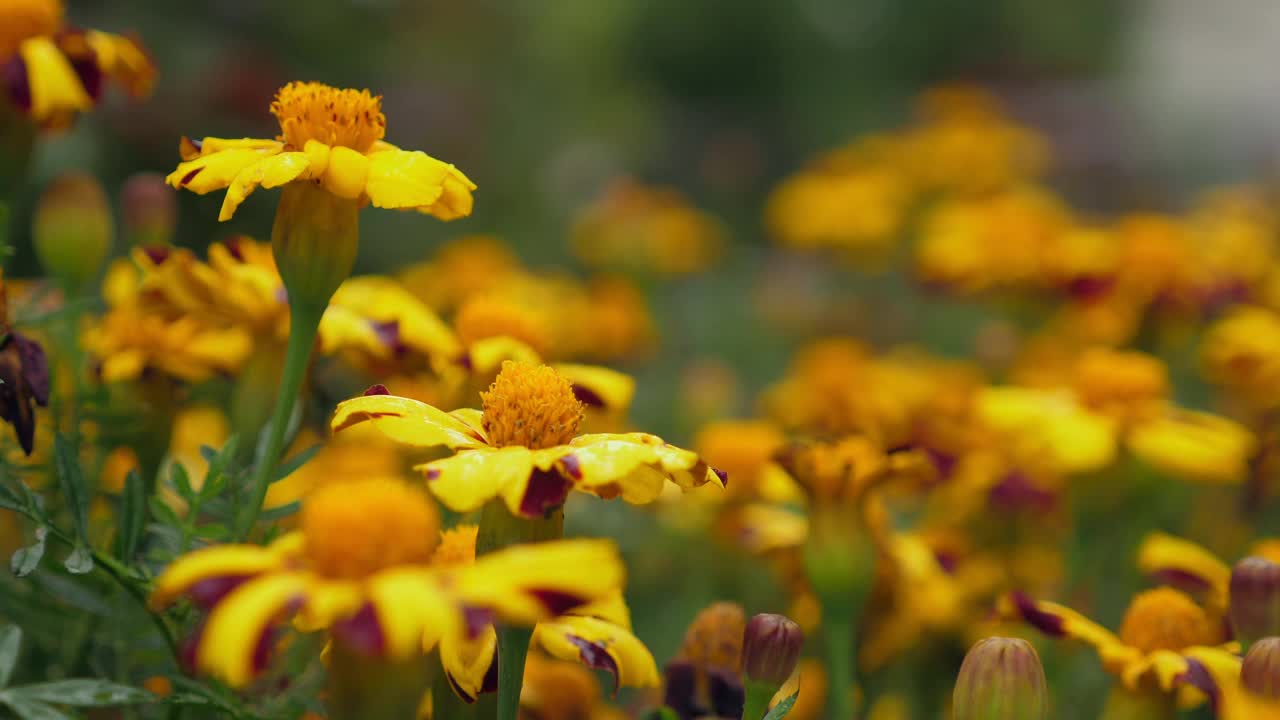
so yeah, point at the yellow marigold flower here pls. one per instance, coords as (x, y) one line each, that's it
(1241, 352)
(1195, 445)
(333, 137)
(1217, 673)
(1161, 629)
(555, 690)
(53, 71)
(524, 446)
(354, 455)
(1072, 437)
(1127, 385)
(635, 227)
(379, 326)
(128, 339)
(488, 316)
(744, 450)
(459, 269)
(1188, 566)
(360, 568)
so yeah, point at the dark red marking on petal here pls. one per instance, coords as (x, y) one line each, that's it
(557, 602)
(17, 86)
(546, 491)
(1045, 622)
(361, 632)
(206, 593)
(432, 474)
(681, 695)
(457, 689)
(378, 389)
(594, 656)
(389, 334)
(1016, 492)
(572, 465)
(464, 362)
(478, 619)
(232, 244)
(490, 682)
(944, 462)
(724, 476)
(187, 651)
(158, 254)
(35, 367)
(1198, 676)
(262, 650)
(946, 560)
(1182, 579)
(1090, 287)
(587, 396)
(190, 176)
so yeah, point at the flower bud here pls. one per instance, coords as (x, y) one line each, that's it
(1001, 679)
(770, 649)
(1255, 599)
(1260, 672)
(72, 229)
(149, 210)
(314, 241)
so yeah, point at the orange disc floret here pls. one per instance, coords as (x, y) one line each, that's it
(315, 111)
(27, 19)
(457, 547)
(355, 529)
(531, 406)
(1166, 619)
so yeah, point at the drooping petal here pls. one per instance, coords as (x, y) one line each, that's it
(406, 421)
(600, 645)
(467, 480)
(468, 661)
(412, 610)
(404, 179)
(526, 584)
(216, 562)
(231, 645)
(271, 171)
(215, 171)
(1185, 565)
(486, 356)
(600, 387)
(192, 148)
(124, 60)
(1062, 622)
(456, 201)
(55, 90)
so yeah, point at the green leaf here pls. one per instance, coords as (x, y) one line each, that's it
(10, 501)
(73, 487)
(27, 709)
(10, 646)
(26, 559)
(292, 464)
(84, 692)
(781, 710)
(281, 511)
(164, 513)
(133, 517)
(80, 561)
(220, 460)
(181, 481)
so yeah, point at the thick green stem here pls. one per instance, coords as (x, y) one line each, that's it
(837, 635)
(304, 323)
(500, 529)
(757, 703)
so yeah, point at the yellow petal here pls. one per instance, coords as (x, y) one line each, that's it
(1059, 621)
(530, 583)
(190, 149)
(487, 355)
(236, 625)
(599, 386)
(600, 645)
(406, 421)
(764, 528)
(271, 171)
(467, 660)
(1195, 445)
(56, 90)
(413, 611)
(327, 603)
(1073, 438)
(214, 171)
(219, 561)
(124, 60)
(347, 173)
(1181, 562)
(471, 478)
(403, 179)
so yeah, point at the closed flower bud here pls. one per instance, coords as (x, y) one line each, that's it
(770, 649)
(314, 241)
(1001, 679)
(72, 229)
(1255, 599)
(149, 210)
(1260, 672)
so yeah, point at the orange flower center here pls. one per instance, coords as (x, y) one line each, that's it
(354, 529)
(484, 317)
(314, 111)
(1165, 619)
(530, 405)
(457, 547)
(23, 19)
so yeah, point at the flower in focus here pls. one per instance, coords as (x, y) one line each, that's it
(51, 71)
(524, 446)
(652, 230)
(360, 568)
(333, 137)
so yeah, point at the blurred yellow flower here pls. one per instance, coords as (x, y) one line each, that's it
(645, 229)
(1241, 353)
(332, 137)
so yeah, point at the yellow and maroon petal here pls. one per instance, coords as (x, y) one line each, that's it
(599, 645)
(215, 171)
(406, 421)
(527, 584)
(234, 643)
(1185, 565)
(271, 171)
(1060, 622)
(47, 84)
(471, 478)
(468, 662)
(408, 611)
(599, 387)
(208, 574)
(124, 60)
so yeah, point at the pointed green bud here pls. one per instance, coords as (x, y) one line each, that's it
(149, 210)
(1001, 679)
(72, 229)
(1260, 672)
(1255, 599)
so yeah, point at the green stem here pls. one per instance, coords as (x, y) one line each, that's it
(445, 703)
(500, 529)
(757, 703)
(304, 324)
(837, 631)
(370, 688)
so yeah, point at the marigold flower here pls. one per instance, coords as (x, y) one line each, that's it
(333, 137)
(1241, 353)
(51, 70)
(647, 229)
(360, 567)
(524, 446)
(557, 690)
(703, 678)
